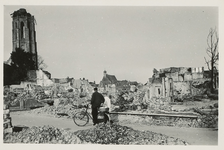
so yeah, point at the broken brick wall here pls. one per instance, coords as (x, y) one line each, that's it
(155, 90)
(42, 79)
(181, 88)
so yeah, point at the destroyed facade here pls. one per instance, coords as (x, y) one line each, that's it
(178, 81)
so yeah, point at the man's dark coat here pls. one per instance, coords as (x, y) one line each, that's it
(97, 99)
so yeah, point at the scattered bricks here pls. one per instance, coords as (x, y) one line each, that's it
(117, 134)
(44, 134)
(56, 102)
(7, 124)
(216, 105)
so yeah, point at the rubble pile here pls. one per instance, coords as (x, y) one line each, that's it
(42, 134)
(157, 104)
(201, 84)
(159, 121)
(13, 98)
(9, 97)
(62, 107)
(203, 121)
(207, 119)
(103, 134)
(7, 124)
(130, 101)
(61, 110)
(154, 105)
(37, 92)
(190, 106)
(51, 110)
(117, 134)
(138, 98)
(136, 102)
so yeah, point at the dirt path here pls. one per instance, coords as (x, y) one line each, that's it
(192, 135)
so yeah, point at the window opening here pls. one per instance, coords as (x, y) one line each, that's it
(22, 30)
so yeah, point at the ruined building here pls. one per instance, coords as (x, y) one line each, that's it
(23, 33)
(178, 81)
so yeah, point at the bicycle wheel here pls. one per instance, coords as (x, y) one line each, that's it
(81, 119)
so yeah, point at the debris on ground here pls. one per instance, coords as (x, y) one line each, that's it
(66, 101)
(123, 135)
(102, 134)
(42, 134)
(7, 124)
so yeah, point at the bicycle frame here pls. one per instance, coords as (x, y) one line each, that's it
(86, 112)
(90, 116)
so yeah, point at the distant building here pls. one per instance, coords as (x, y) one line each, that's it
(107, 80)
(110, 83)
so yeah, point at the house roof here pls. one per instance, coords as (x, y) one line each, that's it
(133, 83)
(46, 72)
(108, 79)
(112, 78)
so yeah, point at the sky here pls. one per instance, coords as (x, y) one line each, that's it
(126, 41)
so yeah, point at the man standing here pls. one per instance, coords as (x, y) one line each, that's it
(107, 102)
(96, 101)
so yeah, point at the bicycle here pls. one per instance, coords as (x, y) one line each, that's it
(82, 118)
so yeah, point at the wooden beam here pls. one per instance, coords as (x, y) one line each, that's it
(156, 115)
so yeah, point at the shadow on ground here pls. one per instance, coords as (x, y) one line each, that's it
(19, 128)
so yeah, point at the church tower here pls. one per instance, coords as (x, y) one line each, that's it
(104, 73)
(23, 33)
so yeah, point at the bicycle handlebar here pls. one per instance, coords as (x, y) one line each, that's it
(86, 106)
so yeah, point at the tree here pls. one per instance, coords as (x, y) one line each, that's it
(41, 64)
(213, 54)
(21, 63)
(8, 72)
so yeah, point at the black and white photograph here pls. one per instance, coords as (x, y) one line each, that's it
(111, 74)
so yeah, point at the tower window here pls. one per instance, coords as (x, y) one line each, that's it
(22, 27)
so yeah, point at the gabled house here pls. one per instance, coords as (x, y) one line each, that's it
(107, 80)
